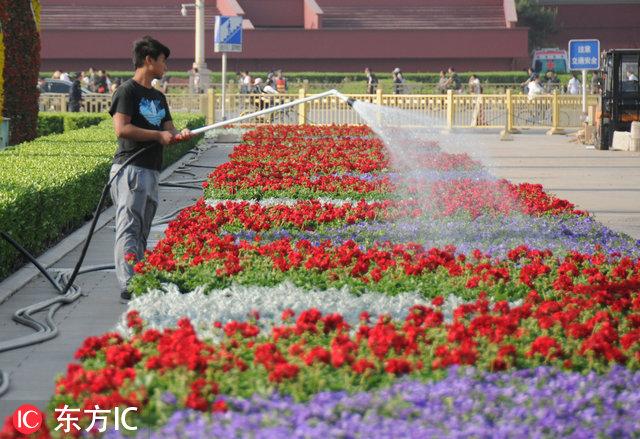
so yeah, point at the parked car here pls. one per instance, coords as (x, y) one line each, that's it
(59, 86)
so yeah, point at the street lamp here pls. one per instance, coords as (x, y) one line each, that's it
(199, 63)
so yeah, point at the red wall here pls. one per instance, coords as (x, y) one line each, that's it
(294, 49)
(407, 2)
(73, 3)
(274, 13)
(305, 50)
(616, 26)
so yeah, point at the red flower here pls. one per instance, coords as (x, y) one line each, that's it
(546, 346)
(283, 371)
(362, 365)
(397, 366)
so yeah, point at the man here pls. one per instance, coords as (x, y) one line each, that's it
(453, 80)
(141, 120)
(372, 81)
(535, 88)
(574, 86)
(553, 82)
(596, 83)
(531, 76)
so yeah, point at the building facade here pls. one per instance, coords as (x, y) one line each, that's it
(327, 35)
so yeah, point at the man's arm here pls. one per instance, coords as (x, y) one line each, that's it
(126, 130)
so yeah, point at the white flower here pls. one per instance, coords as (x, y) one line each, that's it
(163, 308)
(286, 201)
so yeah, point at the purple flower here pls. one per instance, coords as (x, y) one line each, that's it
(540, 402)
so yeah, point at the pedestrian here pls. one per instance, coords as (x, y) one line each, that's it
(42, 85)
(474, 85)
(453, 81)
(372, 81)
(596, 83)
(398, 81)
(244, 89)
(64, 76)
(141, 121)
(101, 85)
(75, 94)
(535, 88)
(280, 81)
(553, 82)
(531, 75)
(269, 87)
(247, 81)
(574, 86)
(89, 79)
(442, 82)
(194, 79)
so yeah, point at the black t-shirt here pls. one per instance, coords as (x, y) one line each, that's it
(148, 110)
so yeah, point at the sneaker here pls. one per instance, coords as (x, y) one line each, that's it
(125, 296)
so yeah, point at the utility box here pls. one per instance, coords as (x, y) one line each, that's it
(4, 132)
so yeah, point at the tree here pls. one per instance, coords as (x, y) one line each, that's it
(21, 44)
(541, 21)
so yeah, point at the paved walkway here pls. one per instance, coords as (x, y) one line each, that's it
(606, 183)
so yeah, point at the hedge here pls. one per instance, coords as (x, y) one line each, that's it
(57, 123)
(52, 184)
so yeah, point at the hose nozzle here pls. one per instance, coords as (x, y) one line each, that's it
(346, 99)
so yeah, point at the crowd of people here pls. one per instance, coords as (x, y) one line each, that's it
(449, 80)
(537, 84)
(275, 83)
(96, 81)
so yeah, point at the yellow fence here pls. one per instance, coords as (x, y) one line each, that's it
(512, 111)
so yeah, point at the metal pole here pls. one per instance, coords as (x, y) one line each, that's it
(224, 82)
(199, 55)
(584, 94)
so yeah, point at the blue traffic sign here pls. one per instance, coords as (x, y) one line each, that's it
(584, 55)
(228, 34)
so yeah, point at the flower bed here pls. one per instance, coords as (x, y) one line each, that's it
(294, 315)
(312, 352)
(558, 404)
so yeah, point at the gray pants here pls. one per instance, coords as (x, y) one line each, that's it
(135, 197)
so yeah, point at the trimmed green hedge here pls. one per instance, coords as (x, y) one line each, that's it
(58, 123)
(52, 184)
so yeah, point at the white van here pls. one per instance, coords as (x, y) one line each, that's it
(546, 60)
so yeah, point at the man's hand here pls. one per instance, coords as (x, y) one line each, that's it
(183, 135)
(165, 137)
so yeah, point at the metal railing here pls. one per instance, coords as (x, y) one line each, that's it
(451, 110)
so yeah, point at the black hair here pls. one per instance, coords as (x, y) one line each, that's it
(147, 46)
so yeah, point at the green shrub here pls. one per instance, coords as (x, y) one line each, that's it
(52, 184)
(50, 123)
(57, 123)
